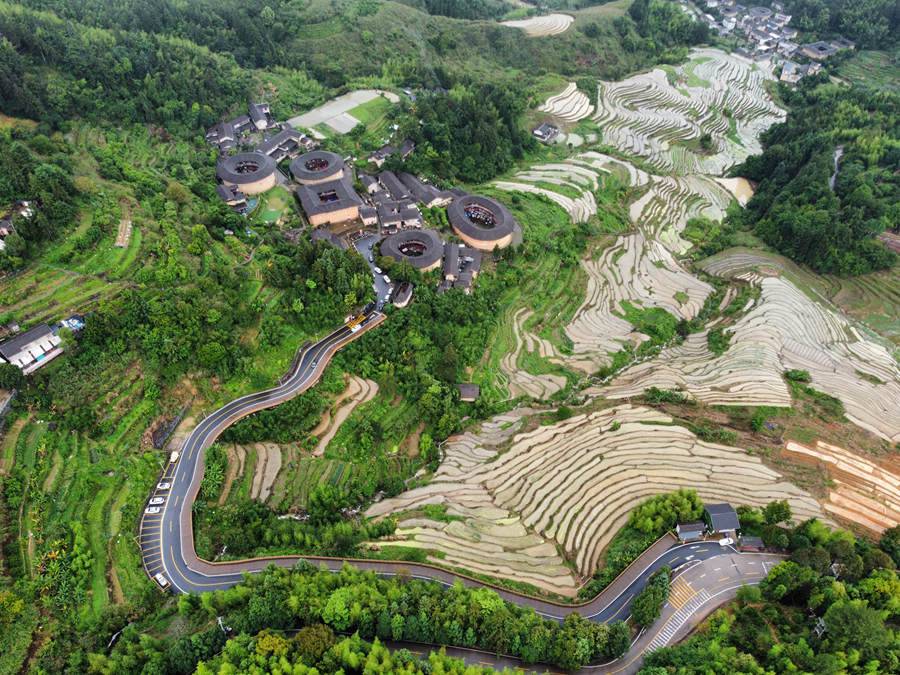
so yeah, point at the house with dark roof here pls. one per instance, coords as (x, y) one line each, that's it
(691, 531)
(721, 519)
(232, 195)
(389, 216)
(330, 202)
(261, 116)
(380, 156)
(451, 261)
(840, 43)
(370, 183)
(368, 215)
(468, 392)
(286, 144)
(32, 349)
(545, 132)
(818, 51)
(393, 185)
(424, 193)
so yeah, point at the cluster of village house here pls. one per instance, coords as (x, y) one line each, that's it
(37, 346)
(769, 37)
(389, 203)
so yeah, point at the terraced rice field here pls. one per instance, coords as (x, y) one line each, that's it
(570, 105)
(662, 121)
(784, 330)
(542, 26)
(861, 491)
(521, 495)
(47, 293)
(358, 391)
(519, 381)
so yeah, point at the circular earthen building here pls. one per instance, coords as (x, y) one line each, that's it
(481, 222)
(252, 172)
(423, 249)
(318, 166)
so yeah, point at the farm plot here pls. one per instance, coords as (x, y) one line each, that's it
(715, 96)
(519, 381)
(634, 269)
(785, 330)
(571, 484)
(542, 26)
(336, 113)
(358, 391)
(862, 491)
(570, 105)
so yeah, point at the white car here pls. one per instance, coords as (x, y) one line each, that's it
(386, 278)
(378, 270)
(163, 486)
(727, 541)
(161, 580)
(152, 510)
(174, 456)
(156, 501)
(371, 258)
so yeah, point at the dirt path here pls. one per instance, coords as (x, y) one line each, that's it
(358, 391)
(124, 234)
(273, 466)
(262, 455)
(411, 444)
(236, 457)
(9, 440)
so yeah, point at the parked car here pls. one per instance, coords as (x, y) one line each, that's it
(174, 456)
(727, 541)
(163, 486)
(386, 278)
(378, 270)
(161, 580)
(156, 501)
(152, 510)
(371, 258)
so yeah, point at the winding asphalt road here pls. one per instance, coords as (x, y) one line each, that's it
(167, 539)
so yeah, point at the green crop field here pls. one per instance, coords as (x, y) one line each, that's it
(877, 69)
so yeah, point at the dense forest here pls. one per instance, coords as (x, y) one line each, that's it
(828, 178)
(872, 24)
(834, 607)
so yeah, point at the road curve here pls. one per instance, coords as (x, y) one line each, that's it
(167, 538)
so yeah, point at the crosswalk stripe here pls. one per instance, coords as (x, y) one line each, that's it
(678, 619)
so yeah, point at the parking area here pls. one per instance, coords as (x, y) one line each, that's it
(366, 247)
(150, 535)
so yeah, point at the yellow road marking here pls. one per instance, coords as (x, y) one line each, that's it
(680, 593)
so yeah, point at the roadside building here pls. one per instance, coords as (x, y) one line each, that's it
(32, 349)
(751, 544)
(691, 531)
(329, 203)
(722, 519)
(403, 294)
